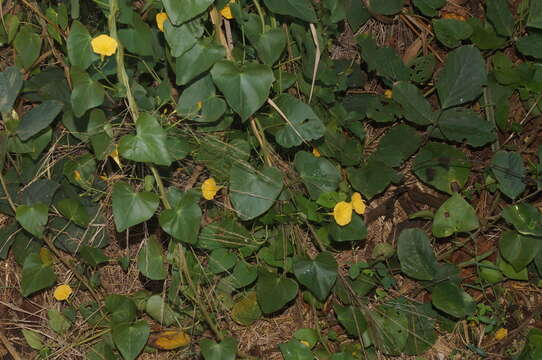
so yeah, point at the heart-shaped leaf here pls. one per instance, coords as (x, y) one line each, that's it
(246, 310)
(182, 38)
(274, 291)
(183, 220)
(36, 275)
(519, 250)
(32, 218)
(317, 173)
(74, 211)
(11, 81)
(246, 88)
(131, 208)
(462, 78)
(80, 52)
(303, 125)
(87, 93)
(130, 339)
(354, 231)
(254, 191)
(27, 44)
(416, 255)
(508, 168)
(455, 215)
(295, 350)
(182, 11)
(390, 330)
(392, 151)
(526, 218)
(318, 275)
(197, 60)
(149, 145)
(451, 32)
(39, 118)
(225, 350)
(371, 178)
(270, 45)
(150, 261)
(121, 308)
(351, 319)
(451, 299)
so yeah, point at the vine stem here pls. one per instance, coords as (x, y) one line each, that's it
(161, 187)
(8, 197)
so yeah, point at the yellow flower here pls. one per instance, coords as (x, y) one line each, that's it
(104, 45)
(226, 11)
(62, 292)
(501, 334)
(161, 18)
(388, 94)
(358, 204)
(342, 212)
(209, 189)
(315, 152)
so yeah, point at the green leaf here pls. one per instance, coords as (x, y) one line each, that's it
(225, 350)
(421, 329)
(246, 310)
(132, 208)
(11, 81)
(246, 88)
(526, 218)
(98, 129)
(130, 339)
(80, 51)
(356, 14)
(370, 178)
(270, 45)
(318, 174)
(386, 7)
(150, 261)
(33, 218)
(429, 7)
(137, 39)
(484, 35)
(36, 275)
(182, 38)
(441, 165)
(384, 60)
(204, 54)
(448, 297)
(39, 118)
(490, 273)
(451, 32)
(34, 339)
(390, 330)
(530, 45)
(303, 125)
(295, 350)
(87, 93)
(464, 125)
(318, 275)
(351, 319)
(392, 150)
(199, 102)
(74, 211)
(160, 310)
(183, 220)
(507, 166)
(180, 12)
(355, 231)
(416, 108)
(149, 145)
(455, 215)
(221, 260)
(535, 15)
(519, 250)
(58, 322)
(254, 191)
(122, 308)
(301, 9)
(462, 78)
(509, 271)
(93, 256)
(274, 291)
(499, 14)
(242, 275)
(102, 351)
(27, 44)
(416, 255)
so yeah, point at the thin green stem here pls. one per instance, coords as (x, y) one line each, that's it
(161, 187)
(260, 13)
(8, 197)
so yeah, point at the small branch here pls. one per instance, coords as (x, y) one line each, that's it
(11, 350)
(216, 19)
(8, 197)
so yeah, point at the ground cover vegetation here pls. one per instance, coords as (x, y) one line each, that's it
(270, 179)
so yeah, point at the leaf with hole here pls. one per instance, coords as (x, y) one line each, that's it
(246, 88)
(130, 339)
(462, 78)
(302, 126)
(416, 255)
(149, 145)
(274, 291)
(454, 216)
(317, 275)
(36, 275)
(131, 208)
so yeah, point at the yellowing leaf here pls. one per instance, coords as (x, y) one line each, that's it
(45, 256)
(77, 175)
(62, 292)
(358, 204)
(342, 212)
(226, 11)
(161, 18)
(115, 156)
(315, 152)
(501, 334)
(209, 189)
(169, 340)
(104, 45)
